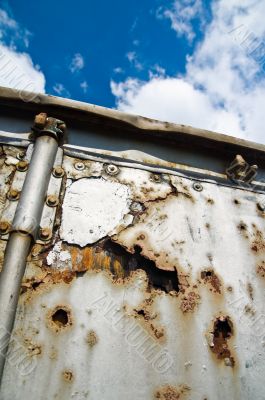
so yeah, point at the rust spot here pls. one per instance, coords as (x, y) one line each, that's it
(210, 201)
(210, 277)
(261, 269)
(258, 244)
(68, 376)
(250, 290)
(34, 349)
(189, 302)
(237, 202)
(219, 336)
(169, 392)
(242, 226)
(60, 318)
(92, 338)
(249, 310)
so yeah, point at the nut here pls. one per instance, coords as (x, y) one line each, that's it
(52, 200)
(79, 166)
(40, 120)
(112, 169)
(22, 166)
(4, 227)
(197, 186)
(58, 171)
(45, 233)
(13, 194)
(21, 155)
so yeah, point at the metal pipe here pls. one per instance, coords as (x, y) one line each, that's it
(25, 227)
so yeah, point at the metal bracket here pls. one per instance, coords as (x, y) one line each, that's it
(240, 171)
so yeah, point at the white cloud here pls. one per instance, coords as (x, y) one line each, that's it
(224, 86)
(61, 90)
(181, 15)
(84, 86)
(16, 68)
(133, 59)
(77, 63)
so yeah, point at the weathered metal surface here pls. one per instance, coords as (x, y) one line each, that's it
(169, 305)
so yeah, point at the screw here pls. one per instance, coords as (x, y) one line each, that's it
(112, 169)
(21, 155)
(52, 200)
(79, 166)
(156, 178)
(4, 227)
(58, 172)
(261, 206)
(45, 233)
(22, 166)
(13, 194)
(40, 120)
(197, 186)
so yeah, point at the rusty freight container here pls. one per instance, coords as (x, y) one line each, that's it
(132, 254)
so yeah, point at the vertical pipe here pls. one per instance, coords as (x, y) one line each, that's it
(25, 227)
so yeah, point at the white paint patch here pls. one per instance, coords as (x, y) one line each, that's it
(92, 209)
(58, 257)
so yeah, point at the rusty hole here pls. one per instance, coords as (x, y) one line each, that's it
(166, 281)
(60, 317)
(222, 332)
(242, 226)
(236, 201)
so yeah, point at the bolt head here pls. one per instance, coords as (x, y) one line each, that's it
(155, 178)
(112, 169)
(45, 234)
(40, 120)
(197, 186)
(22, 166)
(58, 172)
(13, 194)
(52, 200)
(79, 166)
(4, 227)
(21, 155)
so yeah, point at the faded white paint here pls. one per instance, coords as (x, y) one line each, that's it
(93, 209)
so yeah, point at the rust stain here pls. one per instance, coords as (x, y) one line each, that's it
(218, 338)
(210, 277)
(34, 349)
(261, 269)
(250, 290)
(169, 392)
(68, 376)
(258, 244)
(189, 301)
(92, 338)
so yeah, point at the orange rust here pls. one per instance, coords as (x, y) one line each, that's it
(169, 392)
(209, 276)
(250, 290)
(59, 318)
(68, 375)
(189, 302)
(92, 338)
(218, 339)
(258, 244)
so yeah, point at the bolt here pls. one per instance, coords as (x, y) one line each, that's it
(155, 178)
(197, 186)
(45, 233)
(58, 172)
(22, 166)
(261, 206)
(40, 120)
(13, 194)
(112, 169)
(4, 227)
(79, 166)
(52, 200)
(21, 155)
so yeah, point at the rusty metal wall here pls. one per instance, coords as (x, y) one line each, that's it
(151, 287)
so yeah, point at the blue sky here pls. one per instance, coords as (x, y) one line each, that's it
(185, 61)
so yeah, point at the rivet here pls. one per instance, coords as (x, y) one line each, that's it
(58, 172)
(156, 178)
(197, 186)
(52, 200)
(4, 227)
(13, 194)
(22, 166)
(45, 233)
(261, 206)
(21, 155)
(79, 166)
(112, 169)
